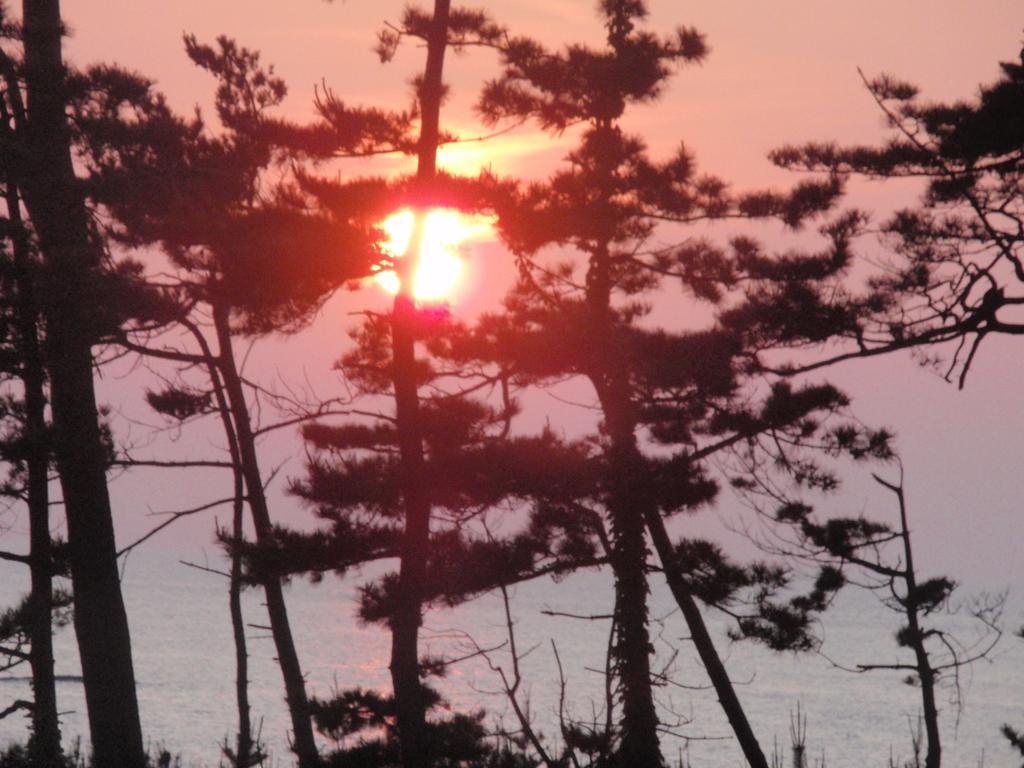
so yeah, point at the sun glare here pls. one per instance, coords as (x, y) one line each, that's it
(439, 265)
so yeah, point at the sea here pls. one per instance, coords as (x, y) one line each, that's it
(184, 664)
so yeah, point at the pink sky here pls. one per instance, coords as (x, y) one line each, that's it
(777, 72)
(783, 71)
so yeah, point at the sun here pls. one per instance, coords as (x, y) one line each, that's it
(440, 265)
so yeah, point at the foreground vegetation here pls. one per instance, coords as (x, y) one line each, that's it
(131, 230)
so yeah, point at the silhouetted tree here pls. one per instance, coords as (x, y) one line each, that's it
(121, 125)
(249, 255)
(72, 257)
(409, 694)
(29, 448)
(344, 131)
(181, 403)
(679, 386)
(543, 83)
(352, 482)
(860, 543)
(954, 268)
(665, 388)
(25, 447)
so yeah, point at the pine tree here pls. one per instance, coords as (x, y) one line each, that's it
(955, 259)
(249, 254)
(862, 544)
(353, 484)
(653, 387)
(71, 258)
(32, 455)
(406, 618)
(440, 29)
(135, 151)
(675, 386)
(25, 445)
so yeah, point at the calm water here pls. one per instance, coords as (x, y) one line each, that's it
(183, 659)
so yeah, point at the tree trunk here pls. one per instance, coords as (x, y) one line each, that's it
(304, 743)
(933, 754)
(704, 644)
(410, 702)
(612, 385)
(44, 748)
(632, 649)
(639, 743)
(244, 746)
(71, 258)
(410, 705)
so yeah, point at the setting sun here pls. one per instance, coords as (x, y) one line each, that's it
(439, 266)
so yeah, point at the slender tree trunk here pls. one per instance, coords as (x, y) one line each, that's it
(71, 258)
(304, 743)
(916, 638)
(410, 701)
(44, 747)
(410, 704)
(244, 743)
(704, 644)
(933, 754)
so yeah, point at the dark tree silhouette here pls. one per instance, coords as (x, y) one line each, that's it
(251, 258)
(955, 261)
(352, 482)
(437, 452)
(344, 132)
(72, 257)
(593, 86)
(135, 150)
(861, 544)
(181, 403)
(667, 389)
(30, 449)
(410, 695)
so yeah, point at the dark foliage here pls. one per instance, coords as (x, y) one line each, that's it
(686, 390)
(669, 399)
(842, 544)
(1014, 737)
(255, 249)
(955, 268)
(363, 721)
